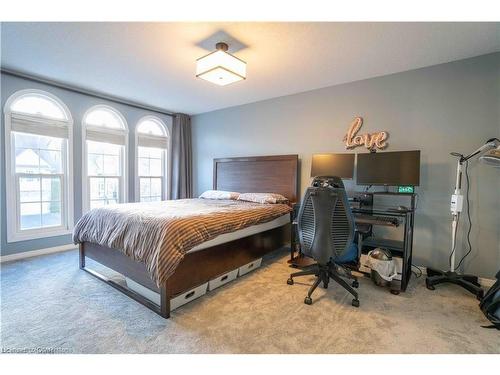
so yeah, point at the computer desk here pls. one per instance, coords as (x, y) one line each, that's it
(399, 248)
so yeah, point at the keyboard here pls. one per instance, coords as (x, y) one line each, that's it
(376, 220)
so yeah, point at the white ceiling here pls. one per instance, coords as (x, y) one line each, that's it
(154, 63)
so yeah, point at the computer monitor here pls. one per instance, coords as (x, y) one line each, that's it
(389, 168)
(340, 165)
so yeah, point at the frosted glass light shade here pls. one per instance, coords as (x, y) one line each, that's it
(221, 68)
(492, 157)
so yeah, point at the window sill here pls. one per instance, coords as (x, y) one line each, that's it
(36, 234)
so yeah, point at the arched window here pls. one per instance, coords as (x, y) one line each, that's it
(152, 160)
(38, 134)
(105, 162)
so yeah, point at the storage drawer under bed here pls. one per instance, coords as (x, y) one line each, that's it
(222, 279)
(188, 296)
(243, 270)
(175, 302)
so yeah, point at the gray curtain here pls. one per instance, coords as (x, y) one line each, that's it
(182, 170)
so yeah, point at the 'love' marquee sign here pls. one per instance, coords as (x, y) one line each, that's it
(371, 141)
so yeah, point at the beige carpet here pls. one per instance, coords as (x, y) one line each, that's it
(47, 302)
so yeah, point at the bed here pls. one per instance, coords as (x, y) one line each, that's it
(207, 261)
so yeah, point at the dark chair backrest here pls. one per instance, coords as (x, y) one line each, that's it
(325, 223)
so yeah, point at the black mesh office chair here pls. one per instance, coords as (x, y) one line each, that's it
(326, 233)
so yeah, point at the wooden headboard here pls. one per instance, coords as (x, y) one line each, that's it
(258, 174)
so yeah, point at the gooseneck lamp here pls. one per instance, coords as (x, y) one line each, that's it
(490, 152)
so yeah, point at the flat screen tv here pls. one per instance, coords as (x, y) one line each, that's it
(389, 168)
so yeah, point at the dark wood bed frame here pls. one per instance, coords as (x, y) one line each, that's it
(278, 174)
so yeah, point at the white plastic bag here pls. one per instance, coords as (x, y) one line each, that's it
(386, 268)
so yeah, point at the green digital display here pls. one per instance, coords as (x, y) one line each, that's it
(406, 189)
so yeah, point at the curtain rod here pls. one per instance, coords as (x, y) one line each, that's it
(78, 90)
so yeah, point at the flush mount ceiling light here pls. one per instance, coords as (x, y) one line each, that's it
(220, 67)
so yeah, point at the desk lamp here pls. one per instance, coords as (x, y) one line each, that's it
(491, 156)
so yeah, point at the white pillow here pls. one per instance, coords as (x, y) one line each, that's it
(263, 198)
(219, 194)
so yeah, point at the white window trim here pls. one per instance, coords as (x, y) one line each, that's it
(166, 166)
(124, 161)
(14, 234)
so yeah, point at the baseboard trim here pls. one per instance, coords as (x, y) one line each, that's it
(35, 253)
(485, 282)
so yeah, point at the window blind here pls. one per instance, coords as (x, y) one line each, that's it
(152, 141)
(34, 125)
(117, 138)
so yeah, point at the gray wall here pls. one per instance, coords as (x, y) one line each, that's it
(78, 104)
(440, 109)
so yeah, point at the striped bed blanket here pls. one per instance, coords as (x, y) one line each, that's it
(159, 234)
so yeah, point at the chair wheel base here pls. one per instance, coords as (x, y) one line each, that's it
(289, 281)
(355, 284)
(355, 302)
(480, 295)
(308, 301)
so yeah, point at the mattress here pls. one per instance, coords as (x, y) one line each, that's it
(228, 237)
